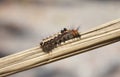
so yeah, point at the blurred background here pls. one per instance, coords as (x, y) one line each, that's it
(24, 23)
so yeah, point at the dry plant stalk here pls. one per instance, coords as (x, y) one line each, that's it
(102, 35)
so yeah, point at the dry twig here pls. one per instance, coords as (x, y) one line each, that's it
(103, 35)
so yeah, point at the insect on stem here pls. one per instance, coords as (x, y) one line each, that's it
(49, 44)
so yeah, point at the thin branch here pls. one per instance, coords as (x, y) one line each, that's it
(103, 35)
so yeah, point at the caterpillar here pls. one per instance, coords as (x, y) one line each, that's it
(52, 42)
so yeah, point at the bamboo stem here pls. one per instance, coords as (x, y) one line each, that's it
(103, 35)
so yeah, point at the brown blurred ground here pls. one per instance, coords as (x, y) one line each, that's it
(24, 23)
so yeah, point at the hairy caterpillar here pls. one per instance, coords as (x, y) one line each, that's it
(52, 42)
